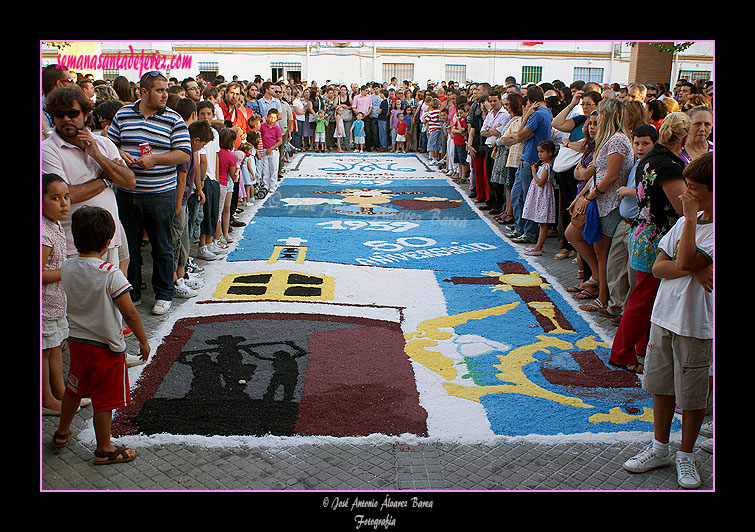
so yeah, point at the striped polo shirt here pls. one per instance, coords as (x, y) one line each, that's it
(432, 118)
(164, 131)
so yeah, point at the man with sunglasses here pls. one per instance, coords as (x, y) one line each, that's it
(153, 140)
(53, 77)
(90, 164)
(269, 99)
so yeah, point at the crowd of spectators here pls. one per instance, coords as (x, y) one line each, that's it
(174, 161)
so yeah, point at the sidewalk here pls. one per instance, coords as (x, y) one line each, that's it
(383, 464)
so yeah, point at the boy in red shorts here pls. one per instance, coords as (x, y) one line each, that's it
(94, 290)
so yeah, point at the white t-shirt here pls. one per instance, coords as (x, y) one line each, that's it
(682, 305)
(299, 109)
(91, 286)
(211, 150)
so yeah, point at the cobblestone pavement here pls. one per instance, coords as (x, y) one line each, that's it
(552, 463)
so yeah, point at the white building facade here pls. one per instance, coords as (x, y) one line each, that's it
(360, 62)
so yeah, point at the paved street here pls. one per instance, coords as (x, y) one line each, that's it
(579, 463)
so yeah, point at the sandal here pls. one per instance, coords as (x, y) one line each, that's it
(585, 294)
(592, 306)
(65, 437)
(581, 287)
(637, 367)
(115, 457)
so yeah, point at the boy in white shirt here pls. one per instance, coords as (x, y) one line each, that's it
(680, 349)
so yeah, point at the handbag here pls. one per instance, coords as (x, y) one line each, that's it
(566, 159)
(578, 220)
(347, 114)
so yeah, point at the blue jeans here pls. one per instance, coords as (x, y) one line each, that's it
(296, 134)
(384, 133)
(152, 213)
(519, 190)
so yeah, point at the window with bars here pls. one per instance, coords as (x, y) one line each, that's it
(400, 71)
(110, 73)
(456, 73)
(588, 74)
(287, 71)
(532, 74)
(208, 70)
(692, 75)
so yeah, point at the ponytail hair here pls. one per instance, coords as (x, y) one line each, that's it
(674, 128)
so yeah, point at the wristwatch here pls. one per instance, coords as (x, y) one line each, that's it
(108, 183)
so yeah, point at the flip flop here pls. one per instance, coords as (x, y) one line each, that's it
(67, 437)
(117, 456)
(581, 287)
(584, 294)
(592, 306)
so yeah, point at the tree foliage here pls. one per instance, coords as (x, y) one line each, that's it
(669, 48)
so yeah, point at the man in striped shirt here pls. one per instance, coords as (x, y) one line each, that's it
(151, 205)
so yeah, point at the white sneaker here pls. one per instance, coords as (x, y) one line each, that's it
(706, 430)
(183, 291)
(161, 307)
(646, 460)
(193, 282)
(686, 473)
(133, 360)
(217, 250)
(707, 445)
(205, 254)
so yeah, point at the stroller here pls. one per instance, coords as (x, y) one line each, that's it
(260, 190)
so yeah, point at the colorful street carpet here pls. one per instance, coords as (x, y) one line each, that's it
(368, 297)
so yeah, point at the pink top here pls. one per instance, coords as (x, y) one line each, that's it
(53, 294)
(270, 135)
(226, 159)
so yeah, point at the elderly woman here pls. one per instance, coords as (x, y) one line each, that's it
(660, 182)
(613, 160)
(701, 126)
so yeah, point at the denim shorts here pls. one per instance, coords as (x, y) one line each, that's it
(609, 222)
(433, 143)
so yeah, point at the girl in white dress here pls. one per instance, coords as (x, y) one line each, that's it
(540, 204)
(340, 133)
